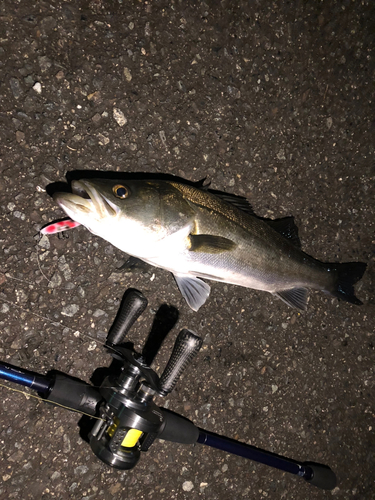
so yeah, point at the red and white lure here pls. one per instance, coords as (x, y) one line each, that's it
(58, 227)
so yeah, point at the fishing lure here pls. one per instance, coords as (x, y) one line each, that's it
(59, 226)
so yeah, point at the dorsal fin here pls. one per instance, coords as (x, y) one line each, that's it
(201, 184)
(287, 228)
(238, 201)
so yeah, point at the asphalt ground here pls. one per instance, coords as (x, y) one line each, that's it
(272, 101)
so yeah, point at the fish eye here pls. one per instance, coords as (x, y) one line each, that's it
(120, 191)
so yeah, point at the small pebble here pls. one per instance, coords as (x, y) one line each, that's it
(98, 313)
(92, 346)
(20, 136)
(70, 310)
(119, 116)
(45, 63)
(4, 308)
(187, 486)
(55, 281)
(37, 87)
(44, 242)
(128, 74)
(81, 469)
(103, 140)
(15, 87)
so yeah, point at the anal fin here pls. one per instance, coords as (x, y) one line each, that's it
(295, 297)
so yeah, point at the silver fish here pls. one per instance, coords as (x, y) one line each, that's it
(195, 233)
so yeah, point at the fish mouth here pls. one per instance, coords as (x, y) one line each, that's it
(86, 200)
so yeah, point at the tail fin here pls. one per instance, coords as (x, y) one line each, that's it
(348, 274)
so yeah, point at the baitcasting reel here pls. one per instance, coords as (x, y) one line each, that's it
(130, 419)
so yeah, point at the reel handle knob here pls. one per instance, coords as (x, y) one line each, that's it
(132, 306)
(185, 349)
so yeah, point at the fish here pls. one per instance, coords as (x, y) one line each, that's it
(59, 226)
(199, 234)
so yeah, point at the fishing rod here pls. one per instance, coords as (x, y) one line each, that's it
(127, 419)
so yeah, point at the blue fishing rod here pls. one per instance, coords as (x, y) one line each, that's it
(128, 421)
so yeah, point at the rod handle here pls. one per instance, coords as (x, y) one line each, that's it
(73, 394)
(177, 428)
(185, 349)
(132, 306)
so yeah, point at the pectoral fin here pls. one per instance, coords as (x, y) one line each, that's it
(296, 297)
(209, 243)
(194, 290)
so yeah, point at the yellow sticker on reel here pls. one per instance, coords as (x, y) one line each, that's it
(131, 438)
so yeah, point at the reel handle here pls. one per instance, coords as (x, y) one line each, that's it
(132, 306)
(185, 349)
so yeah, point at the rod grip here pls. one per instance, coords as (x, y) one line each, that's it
(132, 306)
(185, 348)
(177, 428)
(73, 394)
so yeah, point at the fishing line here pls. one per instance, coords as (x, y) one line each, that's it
(27, 395)
(76, 333)
(18, 279)
(38, 262)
